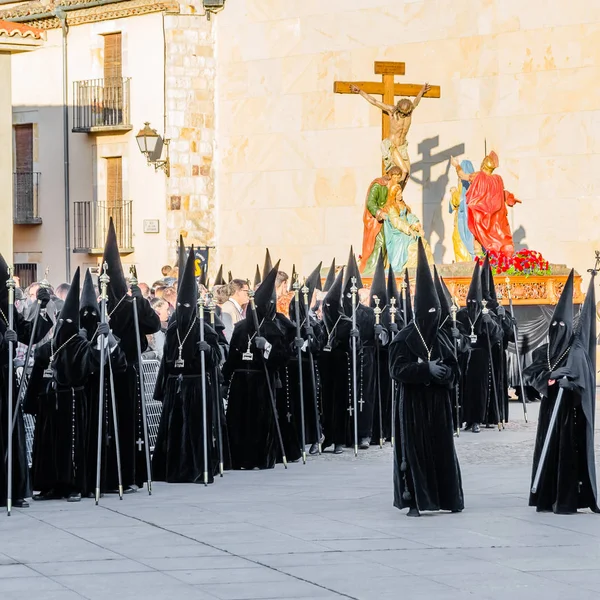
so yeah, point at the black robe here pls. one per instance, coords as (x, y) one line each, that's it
(20, 480)
(61, 407)
(568, 479)
(367, 378)
(250, 420)
(179, 450)
(424, 427)
(477, 395)
(129, 409)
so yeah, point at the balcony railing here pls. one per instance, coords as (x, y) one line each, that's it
(91, 226)
(101, 105)
(26, 199)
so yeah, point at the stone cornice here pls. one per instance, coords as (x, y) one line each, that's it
(107, 12)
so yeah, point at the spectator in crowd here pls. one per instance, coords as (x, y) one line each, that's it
(172, 277)
(221, 294)
(170, 295)
(145, 289)
(158, 289)
(233, 310)
(281, 284)
(156, 341)
(62, 290)
(166, 270)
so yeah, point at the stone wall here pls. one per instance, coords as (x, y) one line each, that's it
(189, 91)
(296, 159)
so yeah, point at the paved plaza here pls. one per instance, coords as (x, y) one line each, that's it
(324, 531)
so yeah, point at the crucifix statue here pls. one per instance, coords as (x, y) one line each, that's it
(396, 118)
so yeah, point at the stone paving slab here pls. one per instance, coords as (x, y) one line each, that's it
(322, 531)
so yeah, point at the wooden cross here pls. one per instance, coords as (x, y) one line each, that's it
(387, 88)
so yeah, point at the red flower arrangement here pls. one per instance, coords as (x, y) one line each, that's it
(523, 262)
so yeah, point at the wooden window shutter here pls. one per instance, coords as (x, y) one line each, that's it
(112, 56)
(114, 182)
(24, 148)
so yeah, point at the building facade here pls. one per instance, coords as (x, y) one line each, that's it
(114, 66)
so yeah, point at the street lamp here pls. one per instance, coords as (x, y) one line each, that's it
(213, 7)
(151, 144)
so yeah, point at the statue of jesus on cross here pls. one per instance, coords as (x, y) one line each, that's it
(394, 149)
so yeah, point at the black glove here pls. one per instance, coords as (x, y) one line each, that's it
(103, 329)
(354, 333)
(10, 335)
(560, 373)
(378, 330)
(43, 296)
(393, 328)
(298, 343)
(500, 311)
(204, 346)
(136, 292)
(486, 318)
(437, 370)
(455, 333)
(260, 343)
(566, 384)
(83, 333)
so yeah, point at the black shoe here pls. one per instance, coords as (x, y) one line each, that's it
(413, 512)
(339, 449)
(21, 503)
(364, 443)
(74, 497)
(132, 489)
(314, 449)
(50, 495)
(475, 428)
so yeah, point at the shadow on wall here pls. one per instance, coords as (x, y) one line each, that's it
(434, 190)
(519, 238)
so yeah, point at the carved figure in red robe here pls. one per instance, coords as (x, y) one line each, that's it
(486, 205)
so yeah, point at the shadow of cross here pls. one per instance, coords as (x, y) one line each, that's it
(433, 191)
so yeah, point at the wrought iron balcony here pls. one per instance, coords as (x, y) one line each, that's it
(101, 105)
(26, 199)
(91, 226)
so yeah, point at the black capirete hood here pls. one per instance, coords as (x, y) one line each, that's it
(392, 292)
(117, 286)
(475, 294)
(257, 277)
(292, 278)
(330, 277)
(427, 304)
(89, 311)
(219, 278)
(313, 282)
(443, 294)
(560, 331)
(406, 293)
(265, 298)
(3, 288)
(488, 285)
(181, 258)
(379, 291)
(229, 277)
(268, 266)
(332, 303)
(351, 271)
(67, 323)
(187, 296)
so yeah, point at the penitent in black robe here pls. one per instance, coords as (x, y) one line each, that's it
(424, 427)
(250, 420)
(61, 406)
(129, 408)
(20, 479)
(568, 480)
(179, 450)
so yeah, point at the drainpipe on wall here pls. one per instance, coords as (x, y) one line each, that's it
(60, 14)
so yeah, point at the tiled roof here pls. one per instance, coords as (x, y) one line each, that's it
(25, 9)
(20, 30)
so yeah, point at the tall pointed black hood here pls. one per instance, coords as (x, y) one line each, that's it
(265, 298)
(313, 282)
(89, 311)
(268, 266)
(257, 277)
(187, 296)
(560, 332)
(392, 292)
(117, 287)
(406, 296)
(427, 304)
(352, 270)
(330, 277)
(443, 294)
(181, 258)
(333, 307)
(475, 294)
(3, 288)
(229, 277)
(379, 291)
(488, 285)
(68, 319)
(219, 278)
(292, 278)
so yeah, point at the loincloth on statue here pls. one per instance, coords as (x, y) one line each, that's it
(387, 149)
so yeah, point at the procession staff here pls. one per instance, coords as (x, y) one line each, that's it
(453, 311)
(393, 331)
(354, 337)
(10, 284)
(378, 373)
(217, 398)
(136, 321)
(517, 351)
(486, 318)
(299, 343)
(203, 375)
